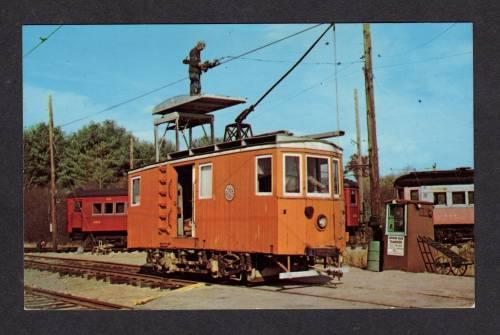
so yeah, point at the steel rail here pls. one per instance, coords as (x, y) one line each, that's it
(70, 299)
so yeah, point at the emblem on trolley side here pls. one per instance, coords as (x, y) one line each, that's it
(229, 192)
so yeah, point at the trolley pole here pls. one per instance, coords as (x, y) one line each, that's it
(375, 201)
(131, 158)
(53, 223)
(359, 170)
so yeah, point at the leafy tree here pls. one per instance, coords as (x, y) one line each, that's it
(36, 154)
(102, 150)
(144, 153)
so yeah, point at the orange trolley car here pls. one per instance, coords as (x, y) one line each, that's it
(264, 206)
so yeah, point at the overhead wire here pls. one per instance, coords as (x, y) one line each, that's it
(42, 40)
(231, 58)
(423, 44)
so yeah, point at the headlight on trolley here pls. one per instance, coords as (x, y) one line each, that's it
(321, 222)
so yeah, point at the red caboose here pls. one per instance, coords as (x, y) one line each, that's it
(98, 214)
(352, 204)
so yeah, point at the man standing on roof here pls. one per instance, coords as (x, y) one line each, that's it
(196, 66)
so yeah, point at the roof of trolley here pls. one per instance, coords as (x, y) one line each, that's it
(438, 177)
(196, 104)
(279, 139)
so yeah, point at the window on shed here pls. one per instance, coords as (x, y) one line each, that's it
(205, 181)
(136, 191)
(97, 208)
(318, 180)
(414, 195)
(440, 198)
(458, 198)
(292, 174)
(264, 178)
(77, 206)
(120, 208)
(108, 208)
(470, 194)
(336, 177)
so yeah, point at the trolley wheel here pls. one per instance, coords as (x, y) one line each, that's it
(442, 265)
(459, 270)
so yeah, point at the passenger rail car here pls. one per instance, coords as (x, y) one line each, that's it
(262, 207)
(98, 215)
(352, 205)
(451, 192)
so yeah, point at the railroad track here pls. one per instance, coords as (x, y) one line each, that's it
(115, 273)
(37, 298)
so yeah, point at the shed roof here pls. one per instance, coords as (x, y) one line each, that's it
(196, 104)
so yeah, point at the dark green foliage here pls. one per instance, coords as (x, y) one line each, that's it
(36, 154)
(95, 156)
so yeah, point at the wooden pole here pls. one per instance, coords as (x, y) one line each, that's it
(359, 170)
(53, 223)
(375, 202)
(131, 153)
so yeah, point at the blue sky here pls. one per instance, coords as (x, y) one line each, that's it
(423, 81)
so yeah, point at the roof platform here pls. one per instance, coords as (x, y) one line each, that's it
(196, 104)
(184, 112)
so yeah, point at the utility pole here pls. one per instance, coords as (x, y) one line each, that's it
(131, 158)
(375, 201)
(359, 170)
(53, 223)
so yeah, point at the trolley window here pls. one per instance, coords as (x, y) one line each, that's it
(120, 208)
(458, 198)
(414, 195)
(353, 197)
(264, 175)
(108, 208)
(336, 177)
(318, 176)
(440, 198)
(292, 181)
(470, 195)
(205, 181)
(136, 191)
(96, 208)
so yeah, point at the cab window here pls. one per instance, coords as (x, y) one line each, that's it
(264, 175)
(318, 176)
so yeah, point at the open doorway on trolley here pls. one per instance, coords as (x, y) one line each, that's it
(185, 223)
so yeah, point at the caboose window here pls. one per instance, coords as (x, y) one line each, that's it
(264, 177)
(292, 174)
(136, 191)
(336, 177)
(77, 208)
(96, 208)
(318, 176)
(108, 208)
(205, 181)
(440, 198)
(458, 198)
(120, 208)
